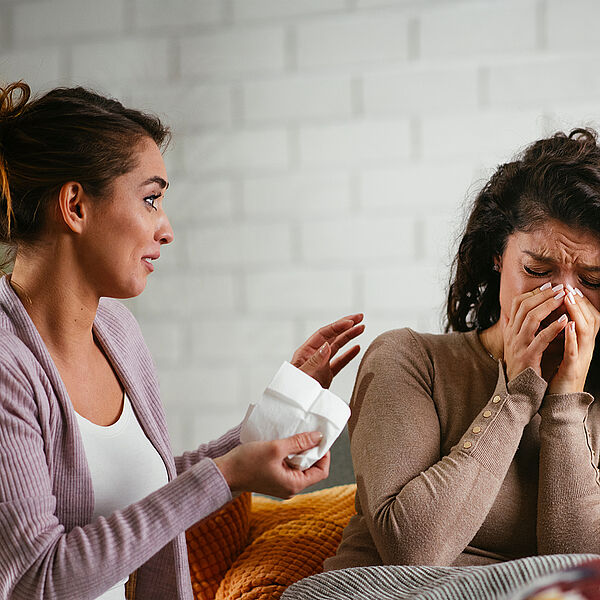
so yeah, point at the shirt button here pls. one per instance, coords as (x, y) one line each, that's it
(476, 429)
(487, 413)
(467, 445)
(496, 399)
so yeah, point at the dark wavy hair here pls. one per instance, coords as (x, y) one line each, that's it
(554, 178)
(68, 134)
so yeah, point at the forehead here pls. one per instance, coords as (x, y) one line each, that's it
(558, 242)
(149, 161)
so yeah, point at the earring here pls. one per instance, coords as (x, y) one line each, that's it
(496, 268)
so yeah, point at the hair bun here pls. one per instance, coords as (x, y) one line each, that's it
(13, 99)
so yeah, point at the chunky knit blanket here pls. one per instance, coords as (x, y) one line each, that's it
(504, 581)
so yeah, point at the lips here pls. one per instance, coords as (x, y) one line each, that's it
(147, 261)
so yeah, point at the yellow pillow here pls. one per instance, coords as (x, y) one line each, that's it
(288, 541)
(215, 542)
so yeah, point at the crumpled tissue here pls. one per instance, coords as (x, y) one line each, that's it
(294, 403)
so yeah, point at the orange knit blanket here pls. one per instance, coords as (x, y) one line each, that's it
(255, 550)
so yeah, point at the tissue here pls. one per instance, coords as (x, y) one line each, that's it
(295, 403)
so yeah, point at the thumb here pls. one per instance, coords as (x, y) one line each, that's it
(317, 360)
(303, 441)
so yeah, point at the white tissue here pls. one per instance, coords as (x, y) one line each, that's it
(295, 403)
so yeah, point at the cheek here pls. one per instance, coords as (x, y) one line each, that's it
(593, 296)
(511, 286)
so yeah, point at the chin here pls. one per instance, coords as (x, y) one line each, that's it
(130, 289)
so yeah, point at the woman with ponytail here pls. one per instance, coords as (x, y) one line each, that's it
(89, 489)
(490, 445)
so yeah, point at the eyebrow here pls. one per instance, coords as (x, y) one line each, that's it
(548, 259)
(156, 179)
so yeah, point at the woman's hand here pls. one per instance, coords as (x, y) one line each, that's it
(524, 342)
(262, 466)
(580, 339)
(315, 356)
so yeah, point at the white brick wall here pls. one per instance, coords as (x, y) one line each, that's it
(230, 53)
(323, 157)
(66, 19)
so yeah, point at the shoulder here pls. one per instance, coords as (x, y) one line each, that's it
(18, 366)
(398, 344)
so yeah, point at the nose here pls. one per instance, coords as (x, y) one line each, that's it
(164, 232)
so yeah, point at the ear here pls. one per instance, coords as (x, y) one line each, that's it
(72, 205)
(498, 264)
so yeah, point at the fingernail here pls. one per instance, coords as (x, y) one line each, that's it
(545, 287)
(562, 318)
(578, 292)
(572, 325)
(570, 288)
(323, 348)
(560, 286)
(316, 436)
(559, 295)
(571, 298)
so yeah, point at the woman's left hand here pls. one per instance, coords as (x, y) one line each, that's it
(315, 356)
(580, 339)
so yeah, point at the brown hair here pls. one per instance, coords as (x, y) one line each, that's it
(68, 134)
(554, 178)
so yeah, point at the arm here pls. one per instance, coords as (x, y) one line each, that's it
(569, 490)
(214, 449)
(38, 558)
(569, 481)
(422, 508)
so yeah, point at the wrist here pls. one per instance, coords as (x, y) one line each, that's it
(224, 465)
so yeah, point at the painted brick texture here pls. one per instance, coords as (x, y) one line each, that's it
(323, 157)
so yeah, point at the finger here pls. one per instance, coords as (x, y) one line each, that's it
(317, 361)
(331, 331)
(301, 442)
(341, 361)
(533, 319)
(344, 338)
(571, 345)
(523, 303)
(319, 470)
(575, 310)
(328, 333)
(544, 337)
(592, 316)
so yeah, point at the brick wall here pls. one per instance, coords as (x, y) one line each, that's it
(323, 155)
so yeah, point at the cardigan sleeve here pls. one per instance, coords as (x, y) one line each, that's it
(568, 488)
(421, 507)
(228, 441)
(38, 558)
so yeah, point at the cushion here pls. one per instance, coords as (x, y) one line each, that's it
(214, 544)
(289, 540)
(578, 583)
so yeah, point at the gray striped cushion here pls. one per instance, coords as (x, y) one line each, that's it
(500, 581)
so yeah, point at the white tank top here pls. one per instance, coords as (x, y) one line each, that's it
(125, 467)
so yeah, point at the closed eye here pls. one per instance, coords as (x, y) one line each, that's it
(594, 285)
(535, 273)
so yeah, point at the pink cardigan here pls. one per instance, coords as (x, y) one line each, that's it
(49, 546)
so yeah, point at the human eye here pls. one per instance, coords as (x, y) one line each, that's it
(589, 283)
(535, 272)
(151, 200)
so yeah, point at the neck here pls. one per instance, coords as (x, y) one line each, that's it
(56, 297)
(492, 340)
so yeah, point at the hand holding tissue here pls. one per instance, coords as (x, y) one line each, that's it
(295, 403)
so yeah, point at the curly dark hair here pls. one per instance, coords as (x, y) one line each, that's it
(554, 178)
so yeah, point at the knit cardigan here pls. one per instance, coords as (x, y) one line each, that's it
(49, 545)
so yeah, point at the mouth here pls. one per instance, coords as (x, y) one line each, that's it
(147, 260)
